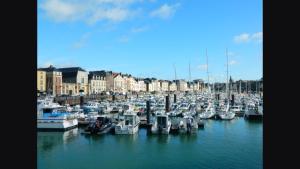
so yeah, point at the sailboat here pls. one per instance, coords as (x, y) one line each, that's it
(227, 114)
(209, 112)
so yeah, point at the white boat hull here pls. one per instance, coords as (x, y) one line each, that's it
(206, 115)
(119, 129)
(155, 130)
(227, 116)
(56, 124)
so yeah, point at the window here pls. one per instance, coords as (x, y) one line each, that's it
(82, 80)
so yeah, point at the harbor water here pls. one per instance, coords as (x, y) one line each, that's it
(235, 144)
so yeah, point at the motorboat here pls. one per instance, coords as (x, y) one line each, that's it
(129, 125)
(52, 116)
(91, 105)
(88, 118)
(253, 111)
(162, 124)
(102, 125)
(188, 125)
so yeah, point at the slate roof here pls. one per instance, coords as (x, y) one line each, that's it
(49, 69)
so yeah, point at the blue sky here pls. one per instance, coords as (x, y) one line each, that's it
(146, 38)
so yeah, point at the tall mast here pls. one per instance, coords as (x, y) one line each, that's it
(262, 65)
(190, 71)
(175, 72)
(240, 86)
(207, 70)
(227, 88)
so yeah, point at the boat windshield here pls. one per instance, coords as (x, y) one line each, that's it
(162, 121)
(129, 120)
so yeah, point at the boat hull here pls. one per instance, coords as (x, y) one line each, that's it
(155, 130)
(56, 125)
(124, 130)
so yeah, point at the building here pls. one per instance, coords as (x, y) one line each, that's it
(41, 81)
(70, 89)
(198, 85)
(140, 85)
(75, 76)
(97, 82)
(149, 85)
(190, 86)
(164, 85)
(53, 80)
(119, 85)
(156, 85)
(172, 86)
(130, 83)
(181, 85)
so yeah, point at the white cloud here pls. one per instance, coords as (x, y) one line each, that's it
(246, 37)
(202, 67)
(165, 11)
(233, 62)
(89, 11)
(257, 36)
(82, 41)
(126, 37)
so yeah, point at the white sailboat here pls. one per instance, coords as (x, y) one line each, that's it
(228, 114)
(209, 113)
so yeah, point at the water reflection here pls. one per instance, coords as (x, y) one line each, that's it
(159, 138)
(46, 141)
(126, 139)
(188, 138)
(91, 138)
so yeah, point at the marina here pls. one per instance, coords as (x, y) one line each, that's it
(161, 113)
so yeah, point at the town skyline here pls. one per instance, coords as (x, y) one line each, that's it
(139, 77)
(147, 38)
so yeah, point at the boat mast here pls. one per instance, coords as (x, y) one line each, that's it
(227, 86)
(240, 86)
(175, 72)
(190, 76)
(207, 70)
(190, 71)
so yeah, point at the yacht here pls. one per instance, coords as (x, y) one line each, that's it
(130, 124)
(227, 114)
(51, 116)
(209, 113)
(91, 105)
(188, 125)
(237, 110)
(162, 125)
(253, 111)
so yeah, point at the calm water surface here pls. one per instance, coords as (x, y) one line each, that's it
(235, 144)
